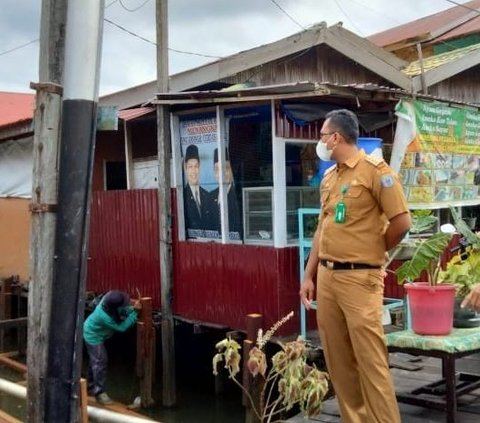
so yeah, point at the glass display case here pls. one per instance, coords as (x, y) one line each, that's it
(258, 212)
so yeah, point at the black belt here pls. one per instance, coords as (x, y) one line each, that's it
(336, 265)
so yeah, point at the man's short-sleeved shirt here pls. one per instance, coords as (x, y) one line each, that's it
(372, 194)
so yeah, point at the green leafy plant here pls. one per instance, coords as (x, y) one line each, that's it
(463, 269)
(426, 256)
(424, 253)
(422, 221)
(295, 380)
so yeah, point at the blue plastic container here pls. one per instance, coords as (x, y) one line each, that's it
(370, 145)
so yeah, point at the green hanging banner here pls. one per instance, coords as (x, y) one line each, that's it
(441, 158)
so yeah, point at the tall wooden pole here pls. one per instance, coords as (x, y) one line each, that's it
(165, 220)
(83, 42)
(44, 198)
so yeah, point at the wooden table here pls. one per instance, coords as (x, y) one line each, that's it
(444, 393)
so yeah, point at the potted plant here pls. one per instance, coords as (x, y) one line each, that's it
(463, 270)
(431, 302)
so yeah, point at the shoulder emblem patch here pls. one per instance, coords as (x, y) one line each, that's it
(387, 181)
(376, 161)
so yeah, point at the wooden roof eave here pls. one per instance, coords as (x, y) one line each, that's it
(362, 51)
(442, 72)
(16, 130)
(222, 68)
(248, 59)
(399, 45)
(371, 61)
(283, 92)
(365, 44)
(240, 98)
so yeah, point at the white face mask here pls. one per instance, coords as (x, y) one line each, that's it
(323, 153)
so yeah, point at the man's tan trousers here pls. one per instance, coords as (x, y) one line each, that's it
(349, 316)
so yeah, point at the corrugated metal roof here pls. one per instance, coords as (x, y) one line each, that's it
(129, 114)
(433, 62)
(431, 23)
(16, 107)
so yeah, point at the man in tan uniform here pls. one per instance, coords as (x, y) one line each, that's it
(364, 214)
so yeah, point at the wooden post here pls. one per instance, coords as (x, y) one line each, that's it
(21, 312)
(128, 154)
(253, 386)
(145, 363)
(44, 197)
(422, 69)
(7, 418)
(83, 401)
(5, 360)
(5, 307)
(164, 209)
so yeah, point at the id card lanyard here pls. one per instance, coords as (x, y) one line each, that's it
(341, 207)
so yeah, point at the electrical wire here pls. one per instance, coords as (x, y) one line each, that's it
(153, 43)
(194, 54)
(289, 16)
(135, 8)
(463, 5)
(129, 32)
(375, 11)
(348, 18)
(110, 4)
(19, 47)
(446, 43)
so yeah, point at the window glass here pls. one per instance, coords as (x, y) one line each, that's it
(250, 152)
(302, 177)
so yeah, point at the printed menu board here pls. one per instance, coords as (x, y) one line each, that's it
(442, 161)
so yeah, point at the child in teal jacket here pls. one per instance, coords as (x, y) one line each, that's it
(113, 314)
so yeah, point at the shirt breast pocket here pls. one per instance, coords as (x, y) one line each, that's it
(357, 197)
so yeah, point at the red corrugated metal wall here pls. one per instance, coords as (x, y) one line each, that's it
(212, 283)
(223, 283)
(123, 250)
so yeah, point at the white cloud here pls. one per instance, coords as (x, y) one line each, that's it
(212, 27)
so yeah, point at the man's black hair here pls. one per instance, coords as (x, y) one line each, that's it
(346, 123)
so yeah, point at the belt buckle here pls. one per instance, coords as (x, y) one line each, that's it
(329, 264)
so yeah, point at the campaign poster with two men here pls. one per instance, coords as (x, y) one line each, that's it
(201, 175)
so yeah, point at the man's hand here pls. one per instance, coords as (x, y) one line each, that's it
(137, 305)
(472, 300)
(306, 292)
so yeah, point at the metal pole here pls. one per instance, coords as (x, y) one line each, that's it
(165, 220)
(82, 62)
(96, 414)
(44, 198)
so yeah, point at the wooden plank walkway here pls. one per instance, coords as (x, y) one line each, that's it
(406, 380)
(118, 408)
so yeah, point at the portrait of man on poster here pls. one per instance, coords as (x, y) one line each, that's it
(233, 209)
(199, 209)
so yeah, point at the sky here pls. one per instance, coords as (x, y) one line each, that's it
(215, 28)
